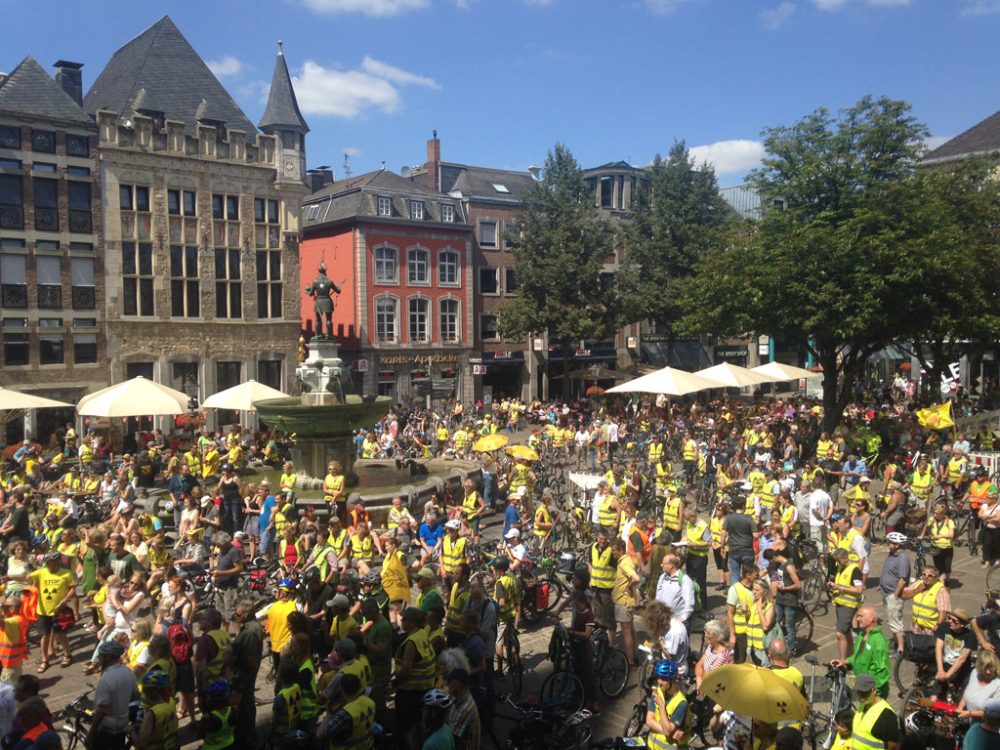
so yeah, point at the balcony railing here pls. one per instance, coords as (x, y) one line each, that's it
(47, 219)
(11, 217)
(84, 298)
(80, 221)
(49, 297)
(14, 296)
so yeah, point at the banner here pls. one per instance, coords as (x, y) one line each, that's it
(936, 417)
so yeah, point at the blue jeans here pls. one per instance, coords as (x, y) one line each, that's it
(735, 563)
(232, 510)
(785, 615)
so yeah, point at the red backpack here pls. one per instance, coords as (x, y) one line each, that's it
(180, 642)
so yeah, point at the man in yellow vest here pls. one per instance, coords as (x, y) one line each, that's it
(941, 531)
(931, 601)
(922, 479)
(663, 474)
(778, 655)
(453, 552)
(415, 673)
(698, 537)
(352, 727)
(673, 514)
(668, 717)
(689, 453)
(846, 589)
(602, 579)
(876, 726)
(739, 602)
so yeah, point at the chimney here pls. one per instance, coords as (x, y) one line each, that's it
(433, 160)
(68, 76)
(535, 172)
(319, 178)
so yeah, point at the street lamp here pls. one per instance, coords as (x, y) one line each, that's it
(191, 389)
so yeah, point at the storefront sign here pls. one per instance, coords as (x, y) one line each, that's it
(735, 354)
(503, 356)
(418, 359)
(361, 365)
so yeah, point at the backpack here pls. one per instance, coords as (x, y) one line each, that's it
(180, 642)
(698, 606)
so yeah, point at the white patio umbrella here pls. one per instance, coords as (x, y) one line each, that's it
(10, 399)
(669, 382)
(137, 397)
(733, 376)
(776, 372)
(242, 397)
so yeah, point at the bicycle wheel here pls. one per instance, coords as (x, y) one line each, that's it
(565, 689)
(614, 673)
(908, 701)
(904, 674)
(515, 670)
(973, 537)
(812, 591)
(71, 738)
(877, 529)
(803, 626)
(993, 578)
(636, 722)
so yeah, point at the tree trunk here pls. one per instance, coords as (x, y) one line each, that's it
(832, 406)
(567, 385)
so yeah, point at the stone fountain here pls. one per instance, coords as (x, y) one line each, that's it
(322, 419)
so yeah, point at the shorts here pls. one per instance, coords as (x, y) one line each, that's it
(265, 542)
(623, 613)
(942, 559)
(845, 618)
(502, 626)
(818, 535)
(185, 677)
(604, 608)
(894, 612)
(46, 624)
(227, 599)
(475, 524)
(408, 707)
(721, 559)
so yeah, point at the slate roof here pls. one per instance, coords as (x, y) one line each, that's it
(160, 70)
(982, 137)
(357, 197)
(479, 183)
(282, 107)
(29, 90)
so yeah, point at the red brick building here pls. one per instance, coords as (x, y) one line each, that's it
(401, 253)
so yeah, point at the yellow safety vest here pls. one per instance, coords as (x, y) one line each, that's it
(658, 740)
(223, 737)
(292, 696)
(695, 535)
(213, 669)
(309, 707)
(543, 515)
(458, 600)
(664, 476)
(757, 480)
(602, 573)
(716, 527)
(362, 737)
(843, 598)
(864, 722)
(744, 606)
(453, 553)
(362, 549)
(956, 467)
(339, 542)
(768, 491)
(424, 671)
(936, 528)
(921, 483)
(824, 449)
(165, 727)
(655, 451)
(470, 505)
(360, 668)
(790, 518)
(672, 513)
(845, 542)
(690, 450)
(512, 596)
(331, 485)
(607, 515)
(755, 628)
(925, 609)
(794, 676)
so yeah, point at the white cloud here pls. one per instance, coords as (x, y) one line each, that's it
(776, 17)
(352, 151)
(663, 7)
(540, 3)
(730, 156)
(379, 8)
(980, 7)
(832, 5)
(227, 66)
(351, 93)
(829, 4)
(397, 75)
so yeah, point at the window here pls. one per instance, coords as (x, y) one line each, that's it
(272, 212)
(386, 271)
(85, 322)
(81, 271)
(185, 291)
(11, 202)
(416, 266)
(51, 348)
(43, 167)
(218, 207)
(228, 375)
(139, 370)
(258, 210)
(265, 211)
(268, 283)
(10, 136)
(14, 281)
(417, 316)
(607, 192)
(16, 351)
(228, 289)
(44, 141)
(190, 203)
(447, 213)
(10, 163)
(77, 145)
(313, 212)
(269, 372)
(488, 233)
(49, 282)
(386, 312)
(500, 188)
(417, 210)
(46, 204)
(47, 245)
(448, 267)
(133, 198)
(489, 281)
(78, 171)
(174, 202)
(83, 247)
(488, 327)
(510, 284)
(85, 348)
(232, 208)
(137, 278)
(79, 207)
(384, 206)
(449, 321)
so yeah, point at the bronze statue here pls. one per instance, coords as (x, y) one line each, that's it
(322, 290)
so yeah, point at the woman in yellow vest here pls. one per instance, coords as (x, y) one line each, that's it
(760, 621)
(289, 479)
(333, 490)
(158, 730)
(673, 508)
(720, 551)
(395, 580)
(138, 650)
(668, 716)
(364, 545)
(846, 588)
(217, 726)
(941, 530)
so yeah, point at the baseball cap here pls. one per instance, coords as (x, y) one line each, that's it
(339, 601)
(453, 524)
(512, 534)
(864, 683)
(111, 649)
(992, 707)
(426, 572)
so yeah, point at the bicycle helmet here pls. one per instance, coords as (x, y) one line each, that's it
(919, 722)
(286, 584)
(309, 575)
(372, 579)
(437, 699)
(666, 669)
(894, 537)
(155, 680)
(297, 740)
(218, 688)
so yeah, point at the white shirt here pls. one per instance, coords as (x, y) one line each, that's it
(595, 506)
(675, 642)
(116, 689)
(613, 432)
(677, 592)
(819, 507)
(517, 551)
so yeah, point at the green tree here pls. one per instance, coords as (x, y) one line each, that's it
(826, 264)
(562, 248)
(673, 224)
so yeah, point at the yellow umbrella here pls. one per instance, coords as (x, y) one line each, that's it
(755, 692)
(490, 442)
(524, 452)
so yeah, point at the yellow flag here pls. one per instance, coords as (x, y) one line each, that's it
(936, 417)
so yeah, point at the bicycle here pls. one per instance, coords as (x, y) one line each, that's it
(73, 722)
(819, 726)
(610, 663)
(548, 727)
(512, 666)
(635, 725)
(914, 669)
(934, 722)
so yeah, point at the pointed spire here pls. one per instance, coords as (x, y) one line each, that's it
(282, 112)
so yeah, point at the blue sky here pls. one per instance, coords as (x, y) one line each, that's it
(503, 80)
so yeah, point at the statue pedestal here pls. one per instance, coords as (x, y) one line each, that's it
(320, 373)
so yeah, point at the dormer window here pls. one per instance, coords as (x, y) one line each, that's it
(384, 206)
(447, 213)
(417, 210)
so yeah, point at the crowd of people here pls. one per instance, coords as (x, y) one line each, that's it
(182, 567)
